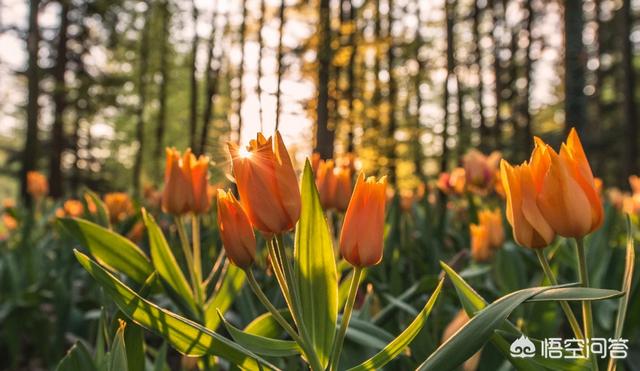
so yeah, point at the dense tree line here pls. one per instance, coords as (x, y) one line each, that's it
(407, 85)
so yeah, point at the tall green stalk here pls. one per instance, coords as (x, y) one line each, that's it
(573, 321)
(310, 354)
(587, 316)
(346, 317)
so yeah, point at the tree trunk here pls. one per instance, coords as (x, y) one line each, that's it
(324, 134)
(30, 152)
(212, 85)
(444, 160)
(497, 72)
(575, 100)
(243, 27)
(393, 92)
(484, 130)
(260, 42)
(142, 95)
(56, 185)
(351, 76)
(280, 61)
(193, 103)
(417, 150)
(630, 112)
(527, 139)
(164, 74)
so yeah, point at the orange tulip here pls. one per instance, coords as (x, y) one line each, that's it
(37, 184)
(453, 182)
(185, 188)
(73, 208)
(10, 223)
(199, 172)
(530, 229)
(480, 169)
(361, 239)
(326, 182)
(343, 188)
(267, 184)
(119, 206)
(235, 230)
(492, 221)
(567, 195)
(480, 244)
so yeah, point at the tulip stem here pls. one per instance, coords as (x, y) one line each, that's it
(186, 249)
(309, 353)
(573, 321)
(346, 317)
(587, 316)
(197, 255)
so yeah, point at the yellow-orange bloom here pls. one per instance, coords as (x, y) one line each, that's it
(10, 223)
(480, 169)
(492, 220)
(267, 184)
(326, 183)
(37, 184)
(361, 239)
(453, 182)
(119, 206)
(185, 183)
(567, 195)
(236, 232)
(73, 208)
(481, 250)
(344, 188)
(530, 229)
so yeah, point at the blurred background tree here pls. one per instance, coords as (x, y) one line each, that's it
(92, 91)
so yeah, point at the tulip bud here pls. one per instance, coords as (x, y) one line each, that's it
(177, 196)
(530, 229)
(37, 184)
(185, 188)
(634, 182)
(456, 323)
(480, 245)
(326, 183)
(567, 197)
(236, 232)
(480, 170)
(267, 184)
(344, 188)
(361, 239)
(199, 171)
(492, 221)
(119, 206)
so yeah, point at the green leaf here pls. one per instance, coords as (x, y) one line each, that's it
(110, 249)
(394, 348)
(184, 335)
(101, 208)
(482, 325)
(316, 270)
(165, 262)
(627, 280)
(575, 293)
(224, 296)
(260, 344)
(266, 325)
(78, 358)
(366, 333)
(118, 352)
